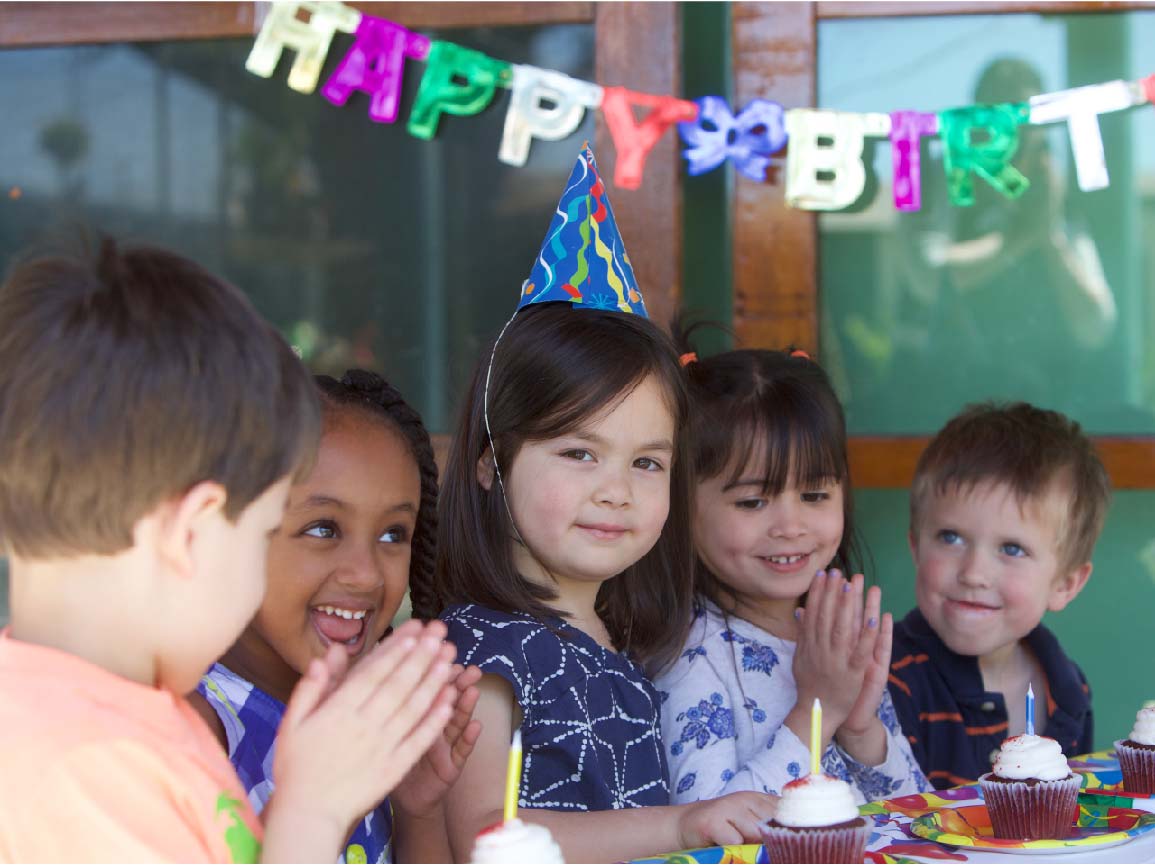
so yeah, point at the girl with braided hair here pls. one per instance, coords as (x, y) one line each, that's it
(357, 532)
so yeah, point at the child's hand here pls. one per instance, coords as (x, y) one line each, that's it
(835, 648)
(880, 628)
(726, 821)
(343, 746)
(862, 735)
(421, 792)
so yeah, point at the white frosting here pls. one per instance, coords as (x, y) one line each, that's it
(816, 802)
(1144, 731)
(1031, 757)
(515, 842)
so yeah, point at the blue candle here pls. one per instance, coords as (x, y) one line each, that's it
(1030, 709)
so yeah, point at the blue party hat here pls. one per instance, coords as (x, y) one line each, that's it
(582, 258)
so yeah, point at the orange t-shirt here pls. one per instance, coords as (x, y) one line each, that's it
(94, 767)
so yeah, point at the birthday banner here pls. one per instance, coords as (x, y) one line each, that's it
(824, 168)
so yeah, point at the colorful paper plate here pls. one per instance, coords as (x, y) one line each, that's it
(752, 853)
(1098, 827)
(746, 854)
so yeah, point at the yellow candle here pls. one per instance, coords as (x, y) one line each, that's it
(513, 777)
(816, 738)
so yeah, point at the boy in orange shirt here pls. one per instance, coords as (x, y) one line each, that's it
(140, 480)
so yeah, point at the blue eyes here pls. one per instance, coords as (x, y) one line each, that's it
(1008, 549)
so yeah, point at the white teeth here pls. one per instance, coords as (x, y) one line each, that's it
(346, 613)
(786, 561)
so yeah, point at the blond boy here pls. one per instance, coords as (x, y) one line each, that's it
(1006, 506)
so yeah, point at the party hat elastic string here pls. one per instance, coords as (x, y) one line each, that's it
(489, 431)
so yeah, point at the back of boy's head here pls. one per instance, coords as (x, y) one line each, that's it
(127, 376)
(774, 407)
(367, 393)
(554, 369)
(1033, 452)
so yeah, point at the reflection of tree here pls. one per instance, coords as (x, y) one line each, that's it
(66, 143)
(279, 185)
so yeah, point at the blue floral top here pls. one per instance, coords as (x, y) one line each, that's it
(723, 706)
(590, 716)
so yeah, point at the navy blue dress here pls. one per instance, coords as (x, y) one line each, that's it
(590, 733)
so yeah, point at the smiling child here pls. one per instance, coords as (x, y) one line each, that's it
(1006, 506)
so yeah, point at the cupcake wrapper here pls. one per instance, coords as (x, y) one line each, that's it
(1138, 768)
(816, 845)
(1043, 810)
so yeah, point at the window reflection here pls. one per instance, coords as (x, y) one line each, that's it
(366, 246)
(1041, 298)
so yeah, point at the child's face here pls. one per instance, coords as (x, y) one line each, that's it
(766, 547)
(593, 502)
(339, 566)
(989, 569)
(231, 566)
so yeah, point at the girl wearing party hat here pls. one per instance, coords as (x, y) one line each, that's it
(565, 561)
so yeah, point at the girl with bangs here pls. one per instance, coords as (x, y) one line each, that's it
(776, 623)
(565, 563)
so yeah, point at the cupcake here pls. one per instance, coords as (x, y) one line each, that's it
(515, 842)
(1031, 793)
(1137, 753)
(817, 822)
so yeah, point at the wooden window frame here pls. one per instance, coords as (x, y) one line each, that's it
(638, 45)
(774, 247)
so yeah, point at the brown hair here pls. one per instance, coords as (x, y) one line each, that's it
(553, 369)
(778, 405)
(368, 393)
(1027, 449)
(126, 377)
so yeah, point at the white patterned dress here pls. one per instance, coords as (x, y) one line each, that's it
(723, 706)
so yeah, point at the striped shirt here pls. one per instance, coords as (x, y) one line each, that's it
(953, 724)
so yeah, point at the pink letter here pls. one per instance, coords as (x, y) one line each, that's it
(374, 65)
(906, 128)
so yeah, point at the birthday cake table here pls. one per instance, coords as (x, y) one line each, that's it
(1129, 818)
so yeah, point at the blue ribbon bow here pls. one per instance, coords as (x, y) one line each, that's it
(748, 139)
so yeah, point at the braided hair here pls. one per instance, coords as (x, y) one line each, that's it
(372, 394)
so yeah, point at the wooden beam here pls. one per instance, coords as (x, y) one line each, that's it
(897, 8)
(889, 462)
(639, 47)
(55, 23)
(774, 247)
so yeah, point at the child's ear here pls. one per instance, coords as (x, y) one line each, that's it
(485, 469)
(183, 518)
(910, 540)
(1067, 586)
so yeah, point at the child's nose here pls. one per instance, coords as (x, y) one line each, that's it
(361, 570)
(613, 488)
(972, 571)
(786, 521)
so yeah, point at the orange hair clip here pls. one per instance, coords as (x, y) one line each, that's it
(800, 353)
(687, 358)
